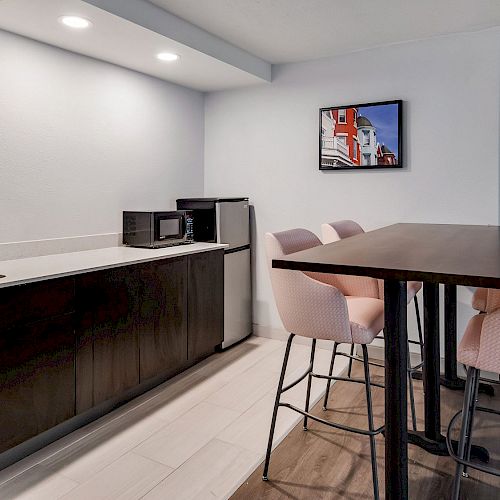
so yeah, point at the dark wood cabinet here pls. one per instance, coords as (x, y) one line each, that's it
(163, 327)
(206, 303)
(37, 378)
(94, 340)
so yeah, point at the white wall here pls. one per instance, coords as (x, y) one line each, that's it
(263, 142)
(81, 140)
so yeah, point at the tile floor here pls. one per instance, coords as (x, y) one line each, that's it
(198, 436)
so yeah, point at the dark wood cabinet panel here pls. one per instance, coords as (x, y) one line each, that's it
(109, 302)
(37, 378)
(23, 304)
(206, 303)
(84, 360)
(163, 326)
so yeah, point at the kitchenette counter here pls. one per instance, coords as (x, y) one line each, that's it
(32, 269)
(84, 332)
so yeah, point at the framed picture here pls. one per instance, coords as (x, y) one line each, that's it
(361, 136)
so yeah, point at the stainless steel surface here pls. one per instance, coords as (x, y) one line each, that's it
(237, 297)
(233, 223)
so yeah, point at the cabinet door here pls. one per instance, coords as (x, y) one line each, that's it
(205, 303)
(37, 378)
(110, 301)
(163, 333)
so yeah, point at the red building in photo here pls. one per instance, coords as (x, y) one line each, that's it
(346, 130)
(339, 134)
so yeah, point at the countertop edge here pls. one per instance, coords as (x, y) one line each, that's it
(87, 269)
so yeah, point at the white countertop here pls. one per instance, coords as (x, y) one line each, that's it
(20, 271)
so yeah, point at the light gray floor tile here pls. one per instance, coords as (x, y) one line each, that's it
(214, 472)
(178, 441)
(37, 484)
(128, 478)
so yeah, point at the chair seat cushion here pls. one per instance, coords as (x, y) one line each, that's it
(366, 316)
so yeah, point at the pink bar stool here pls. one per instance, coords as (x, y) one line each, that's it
(478, 350)
(311, 308)
(370, 287)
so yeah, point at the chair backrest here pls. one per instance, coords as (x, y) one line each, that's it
(334, 231)
(307, 307)
(360, 286)
(480, 345)
(489, 344)
(486, 299)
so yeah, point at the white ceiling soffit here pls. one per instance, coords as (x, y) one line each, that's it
(206, 62)
(281, 31)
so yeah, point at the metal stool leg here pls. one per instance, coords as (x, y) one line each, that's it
(276, 403)
(412, 396)
(328, 383)
(309, 380)
(349, 370)
(468, 443)
(373, 448)
(419, 326)
(468, 400)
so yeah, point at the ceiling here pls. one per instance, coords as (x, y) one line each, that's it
(231, 43)
(282, 31)
(120, 41)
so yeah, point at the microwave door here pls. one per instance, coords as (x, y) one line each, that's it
(170, 228)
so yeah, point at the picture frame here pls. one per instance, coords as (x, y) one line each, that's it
(361, 136)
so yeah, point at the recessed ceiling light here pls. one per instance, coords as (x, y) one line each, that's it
(167, 56)
(75, 22)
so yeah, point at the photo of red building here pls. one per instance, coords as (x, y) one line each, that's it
(350, 136)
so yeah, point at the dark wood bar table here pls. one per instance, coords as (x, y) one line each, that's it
(431, 253)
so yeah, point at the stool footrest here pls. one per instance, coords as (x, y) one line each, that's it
(346, 379)
(333, 424)
(451, 448)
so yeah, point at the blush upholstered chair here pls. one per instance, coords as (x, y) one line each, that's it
(478, 350)
(480, 298)
(370, 287)
(310, 308)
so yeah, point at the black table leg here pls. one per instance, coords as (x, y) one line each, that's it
(431, 439)
(450, 378)
(396, 434)
(431, 361)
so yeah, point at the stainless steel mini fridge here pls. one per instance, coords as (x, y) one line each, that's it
(227, 220)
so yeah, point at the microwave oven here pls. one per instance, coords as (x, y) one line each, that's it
(157, 229)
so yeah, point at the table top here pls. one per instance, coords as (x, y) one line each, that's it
(439, 253)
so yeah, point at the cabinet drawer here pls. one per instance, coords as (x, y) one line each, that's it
(24, 304)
